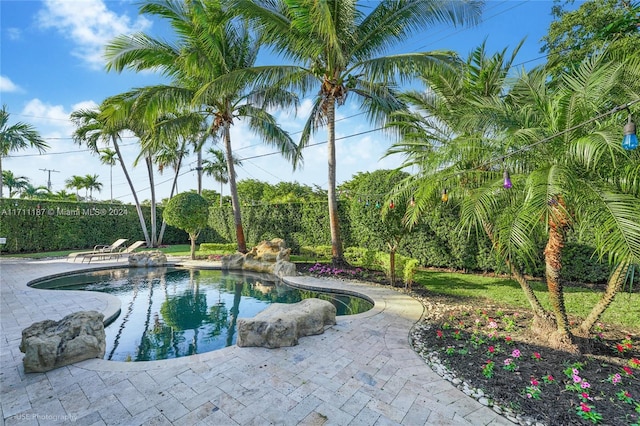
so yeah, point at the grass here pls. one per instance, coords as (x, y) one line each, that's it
(624, 311)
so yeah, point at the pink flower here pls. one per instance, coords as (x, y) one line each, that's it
(508, 361)
(534, 382)
(492, 324)
(616, 378)
(576, 379)
(585, 385)
(576, 372)
(585, 395)
(515, 353)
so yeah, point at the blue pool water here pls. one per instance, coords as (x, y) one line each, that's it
(170, 313)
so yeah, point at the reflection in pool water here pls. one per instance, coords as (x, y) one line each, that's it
(170, 313)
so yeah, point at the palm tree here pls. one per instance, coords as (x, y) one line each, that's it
(31, 192)
(75, 182)
(217, 168)
(443, 134)
(91, 183)
(211, 44)
(110, 158)
(339, 47)
(15, 137)
(579, 178)
(14, 183)
(104, 125)
(64, 195)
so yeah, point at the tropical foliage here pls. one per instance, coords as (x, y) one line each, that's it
(338, 49)
(14, 137)
(211, 44)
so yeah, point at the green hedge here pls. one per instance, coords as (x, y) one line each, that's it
(41, 225)
(33, 225)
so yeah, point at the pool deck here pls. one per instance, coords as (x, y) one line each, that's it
(362, 371)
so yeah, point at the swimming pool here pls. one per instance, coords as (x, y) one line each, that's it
(170, 312)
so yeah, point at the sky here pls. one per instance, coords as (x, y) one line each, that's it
(51, 65)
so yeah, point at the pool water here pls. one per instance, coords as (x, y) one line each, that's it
(170, 313)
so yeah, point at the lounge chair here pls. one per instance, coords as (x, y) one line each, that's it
(97, 249)
(114, 254)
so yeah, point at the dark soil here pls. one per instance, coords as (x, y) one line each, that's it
(605, 390)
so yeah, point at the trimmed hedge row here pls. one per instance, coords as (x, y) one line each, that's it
(41, 225)
(434, 243)
(33, 225)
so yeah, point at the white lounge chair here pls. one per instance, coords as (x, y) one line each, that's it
(114, 254)
(97, 249)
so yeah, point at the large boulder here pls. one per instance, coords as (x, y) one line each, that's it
(147, 259)
(281, 324)
(49, 344)
(271, 257)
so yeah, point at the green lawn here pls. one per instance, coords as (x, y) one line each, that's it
(624, 311)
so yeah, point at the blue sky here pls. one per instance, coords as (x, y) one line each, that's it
(51, 65)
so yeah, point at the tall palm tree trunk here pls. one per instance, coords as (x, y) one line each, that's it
(336, 243)
(199, 169)
(614, 285)
(553, 265)
(143, 223)
(152, 187)
(235, 201)
(1, 183)
(174, 189)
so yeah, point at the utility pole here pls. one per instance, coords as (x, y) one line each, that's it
(49, 178)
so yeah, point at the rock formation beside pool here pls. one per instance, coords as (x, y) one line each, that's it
(281, 324)
(51, 344)
(270, 257)
(147, 259)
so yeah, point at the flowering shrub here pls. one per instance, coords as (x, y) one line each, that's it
(533, 391)
(487, 369)
(510, 365)
(323, 270)
(587, 412)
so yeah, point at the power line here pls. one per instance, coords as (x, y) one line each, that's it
(541, 141)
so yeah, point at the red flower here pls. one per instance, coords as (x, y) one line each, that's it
(584, 407)
(491, 349)
(635, 361)
(534, 382)
(439, 334)
(536, 355)
(508, 338)
(620, 348)
(628, 370)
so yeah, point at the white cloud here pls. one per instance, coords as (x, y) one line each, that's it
(6, 85)
(14, 33)
(89, 24)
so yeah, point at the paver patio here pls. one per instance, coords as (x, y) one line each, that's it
(362, 371)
